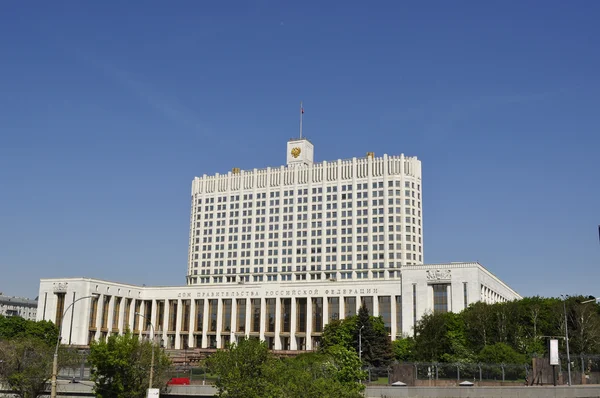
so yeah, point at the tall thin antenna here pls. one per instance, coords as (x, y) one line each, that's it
(301, 113)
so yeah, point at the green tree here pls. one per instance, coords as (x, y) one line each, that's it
(248, 370)
(26, 355)
(26, 365)
(441, 337)
(376, 344)
(121, 366)
(404, 349)
(242, 369)
(15, 327)
(340, 332)
(501, 353)
(318, 375)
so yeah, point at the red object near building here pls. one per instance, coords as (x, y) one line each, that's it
(179, 381)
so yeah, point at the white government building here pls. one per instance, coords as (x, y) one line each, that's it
(277, 253)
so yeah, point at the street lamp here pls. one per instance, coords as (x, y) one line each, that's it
(564, 297)
(591, 299)
(152, 360)
(55, 360)
(360, 344)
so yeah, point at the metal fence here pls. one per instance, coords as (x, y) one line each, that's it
(456, 371)
(584, 369)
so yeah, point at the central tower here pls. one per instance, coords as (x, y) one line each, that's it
(300, 151)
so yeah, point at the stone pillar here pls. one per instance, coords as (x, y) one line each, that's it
(277, 345)
(178, 324)
(293, 324)
(192, 325)
(153, 319)
(263, 318)
(205, 321)
(233, 325)
(309, 319)
(219, 321)
(249, 316)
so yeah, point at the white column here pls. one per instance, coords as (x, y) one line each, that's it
(342, 309)
(249, 316)
(99, 309)
(325, 311)
(293, 325)
(375, 306)
(166, 321)
(394, 329)
(277, 345)
(309, 318)
(263, 318)
(205, 325)
(111, 310)
(219, 321)
(192, 326)
(153, 317)
(178, 324)
(121, 314)
(233, 320)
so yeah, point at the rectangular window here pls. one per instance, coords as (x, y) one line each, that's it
(349, 306)
(333, 308)
(172, 315)
(125, 318)
(137, 306)
(440, 298)
(465, 297)
(185, 318)
(212, 316)
(226, 327)
(105, 304)
(301, 315)
(255, 308)
(317, 314)
(286, 313)
(199, 318)
(160, 315)
(116, 308)
(270, 319)
(94, 312)
(148, 315)
(398, 315)
(241, 315)
(385, 311)
(367, 301)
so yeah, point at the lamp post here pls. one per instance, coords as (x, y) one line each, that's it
(567, 337)
(152, 360)
(360, 344)
(591, 299)
(55, 359)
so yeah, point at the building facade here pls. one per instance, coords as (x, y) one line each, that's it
(288, 316)
(18, 306)
(345, 220)
(279, 253)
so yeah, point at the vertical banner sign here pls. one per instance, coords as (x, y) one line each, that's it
(153, 393)
(554, 352)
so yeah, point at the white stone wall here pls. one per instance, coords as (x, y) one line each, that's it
(255, 216)
(421, 277)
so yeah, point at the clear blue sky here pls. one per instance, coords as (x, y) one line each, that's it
(109, 109)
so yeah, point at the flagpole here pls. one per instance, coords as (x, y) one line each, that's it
(301, 113)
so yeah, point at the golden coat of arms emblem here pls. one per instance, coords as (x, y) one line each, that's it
(296, 152)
